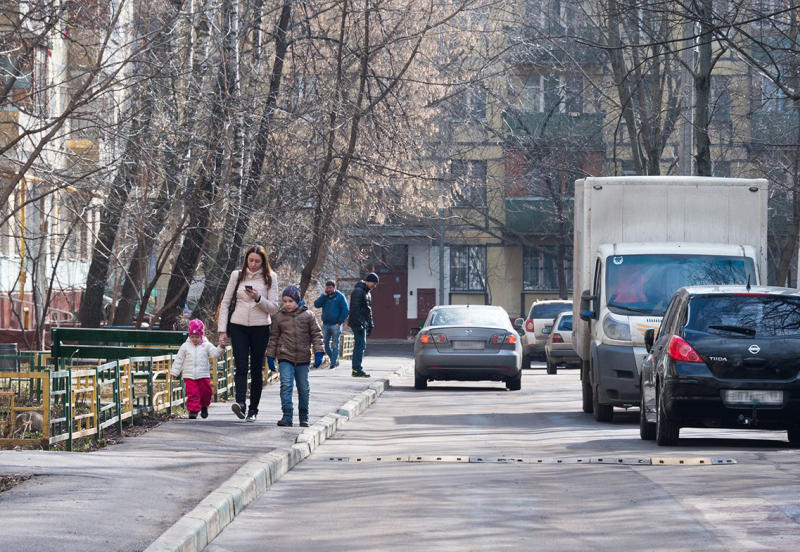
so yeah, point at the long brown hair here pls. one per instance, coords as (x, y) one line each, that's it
(259, 249)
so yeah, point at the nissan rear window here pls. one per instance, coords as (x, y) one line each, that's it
(745, 315)
(549, 310)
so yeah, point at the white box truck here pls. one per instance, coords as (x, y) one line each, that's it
(637, 240)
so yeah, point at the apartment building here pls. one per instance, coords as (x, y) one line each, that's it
(518, 141)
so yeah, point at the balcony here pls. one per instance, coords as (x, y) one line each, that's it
(774, 129)
(580, 131)
(535, 215)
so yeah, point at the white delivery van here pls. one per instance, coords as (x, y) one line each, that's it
(637, 240)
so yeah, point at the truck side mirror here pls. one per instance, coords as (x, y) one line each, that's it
(649, 337)
(586, 313)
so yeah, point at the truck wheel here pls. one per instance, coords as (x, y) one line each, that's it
(514, 383)
(667, 432)
(552, 368)
(602, 412)
(647, 430)
(526, 362)
(586, 390)
(420, 382)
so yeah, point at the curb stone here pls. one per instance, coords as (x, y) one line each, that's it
(197, 528)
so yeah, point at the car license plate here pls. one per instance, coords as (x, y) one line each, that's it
(468, 345)
(750, 398)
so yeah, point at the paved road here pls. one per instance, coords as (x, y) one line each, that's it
(124, 497)
(333, 505)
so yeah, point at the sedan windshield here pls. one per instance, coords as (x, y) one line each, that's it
(745, 315)
(469, 316)
(644, 284)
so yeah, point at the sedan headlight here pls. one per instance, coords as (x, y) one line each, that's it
(615, 329)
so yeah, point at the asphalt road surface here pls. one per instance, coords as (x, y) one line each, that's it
(549, 478)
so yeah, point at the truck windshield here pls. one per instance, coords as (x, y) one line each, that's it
(644, 284)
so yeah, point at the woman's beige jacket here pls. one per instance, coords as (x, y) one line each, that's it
(247, 311)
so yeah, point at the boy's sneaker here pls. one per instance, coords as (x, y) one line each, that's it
(192, 415)
(204, 412)
(360, 374)
(284, 422)
(238, 409)
(303, 423)
(251, 417)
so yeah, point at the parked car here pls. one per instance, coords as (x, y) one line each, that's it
(537, 327)
(470, 343)
(558, 347)
(724, 356)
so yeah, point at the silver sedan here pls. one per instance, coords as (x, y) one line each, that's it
(469, 343)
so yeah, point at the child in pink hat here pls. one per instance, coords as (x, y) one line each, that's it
(194, 362)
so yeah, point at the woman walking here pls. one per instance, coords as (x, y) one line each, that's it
(245, 317)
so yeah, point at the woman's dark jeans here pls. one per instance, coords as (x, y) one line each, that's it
(249, 345)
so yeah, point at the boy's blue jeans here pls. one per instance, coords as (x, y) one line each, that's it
(330, 338)
(359, 346)
(291, 373)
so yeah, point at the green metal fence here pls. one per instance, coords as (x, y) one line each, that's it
(56, 397)
(48, 403)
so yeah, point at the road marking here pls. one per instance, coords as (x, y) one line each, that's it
(606, 460)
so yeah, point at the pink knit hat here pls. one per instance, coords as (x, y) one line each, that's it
(196, 327)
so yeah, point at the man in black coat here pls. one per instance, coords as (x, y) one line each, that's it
(360, 320)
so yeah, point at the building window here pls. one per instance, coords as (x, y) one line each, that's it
(721, 98)
(721, 169)
(468, 268)
(531, 97)
(773, 98)
(469, 183)
(470, 105)
(540, 269)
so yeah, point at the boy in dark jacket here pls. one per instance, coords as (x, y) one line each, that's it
(360, 320)
(294, 331)
(334, 313)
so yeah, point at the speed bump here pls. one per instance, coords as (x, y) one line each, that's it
(592, 460)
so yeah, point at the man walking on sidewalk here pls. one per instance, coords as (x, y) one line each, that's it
(334, 313)
(360, 320)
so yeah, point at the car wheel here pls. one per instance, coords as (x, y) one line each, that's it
(514, 383)
(526, 362)
(552, 368)
(794, 435)
(420, 382)
(667, 432)
(586, 391)
(647, 430)
(602, 412)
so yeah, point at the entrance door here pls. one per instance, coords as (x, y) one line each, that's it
(426, 300)
(390, 305)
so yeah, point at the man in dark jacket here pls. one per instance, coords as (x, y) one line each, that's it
(360, 320)
(334, 313)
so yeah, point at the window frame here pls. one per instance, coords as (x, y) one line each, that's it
(542, 250)
(478, 252)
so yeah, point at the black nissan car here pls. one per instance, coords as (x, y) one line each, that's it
(724, 356)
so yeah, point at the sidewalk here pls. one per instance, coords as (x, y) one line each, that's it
(125, 497)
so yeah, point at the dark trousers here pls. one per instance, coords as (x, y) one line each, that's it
(359, 346)
(249, 346)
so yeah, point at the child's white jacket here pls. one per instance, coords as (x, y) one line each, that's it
(194, 361)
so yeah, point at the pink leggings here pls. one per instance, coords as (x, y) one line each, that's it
(198, 393)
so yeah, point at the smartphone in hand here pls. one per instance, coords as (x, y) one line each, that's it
(248, 288)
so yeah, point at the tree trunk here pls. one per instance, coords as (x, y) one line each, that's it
(226, 257)
(702, 88)
(90, 314)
